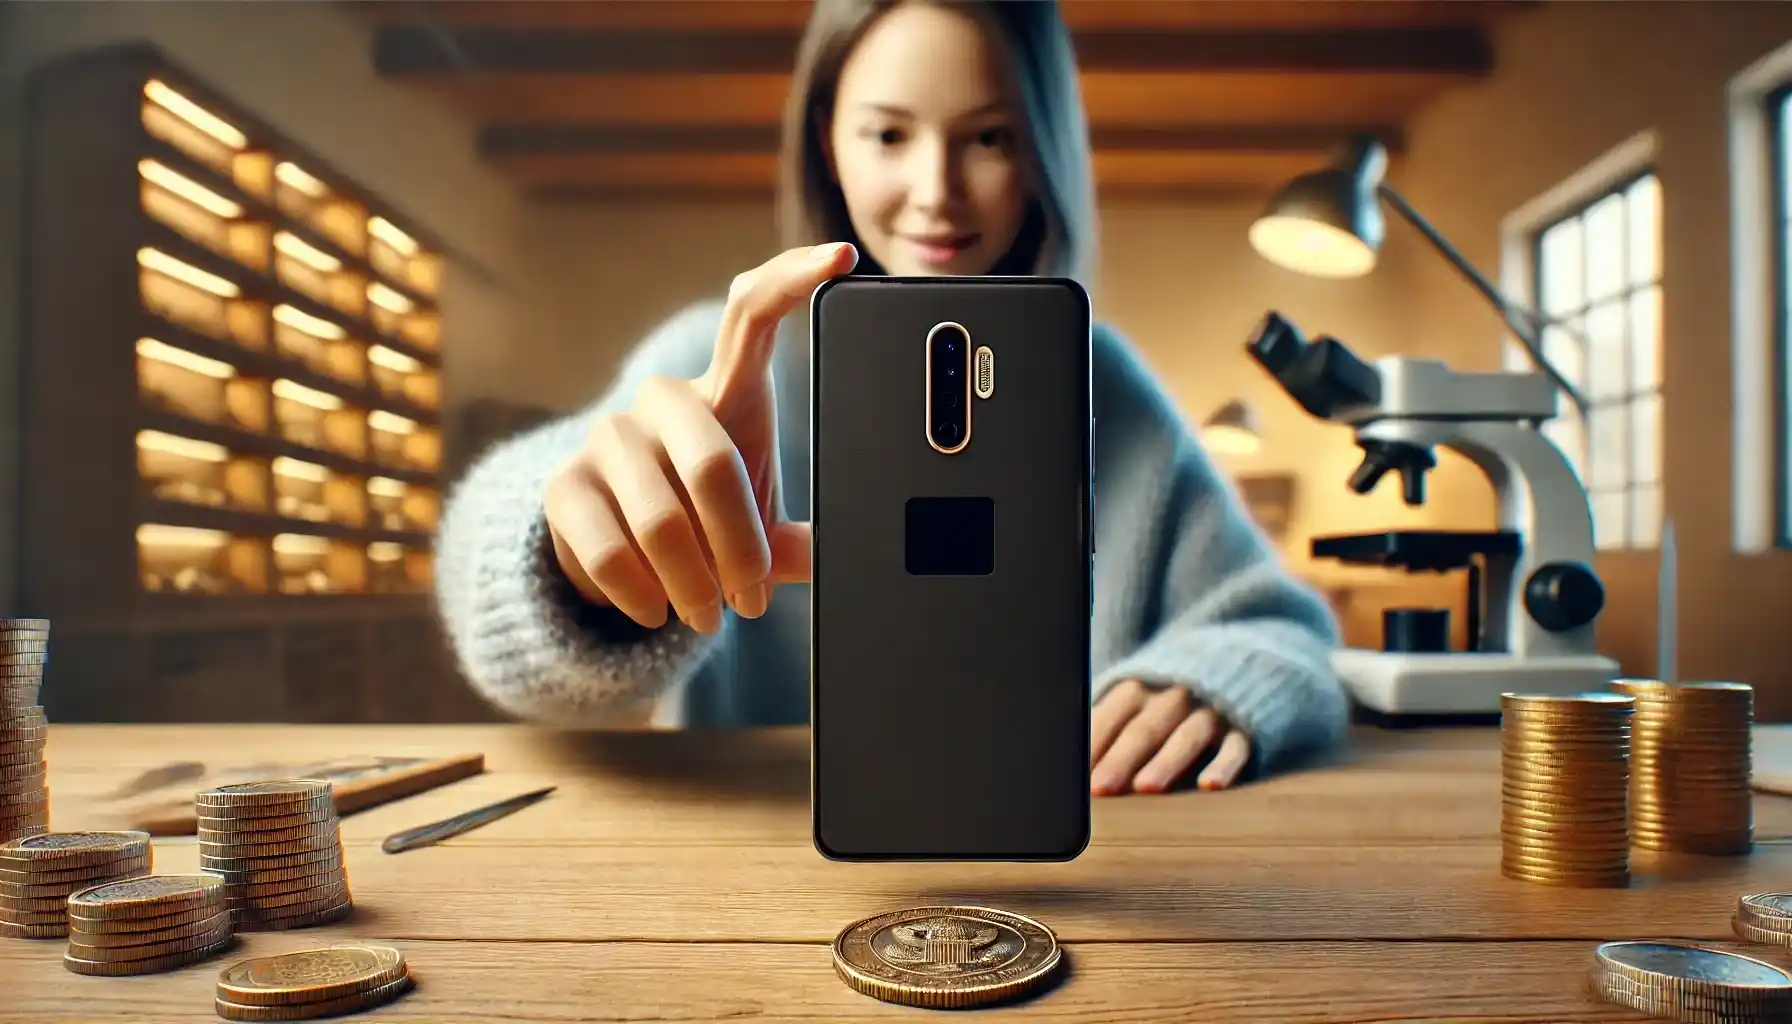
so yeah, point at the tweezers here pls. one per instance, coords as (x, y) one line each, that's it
(467, 821)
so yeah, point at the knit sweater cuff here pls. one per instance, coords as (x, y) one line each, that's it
(527, 640)
(1272, 680)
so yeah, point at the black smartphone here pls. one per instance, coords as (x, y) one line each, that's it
(952, 580)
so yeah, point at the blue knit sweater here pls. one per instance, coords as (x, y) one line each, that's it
(1187, 589)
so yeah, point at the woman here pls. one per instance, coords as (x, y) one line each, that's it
(587, 569)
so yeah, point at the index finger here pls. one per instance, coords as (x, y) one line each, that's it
(761, 297)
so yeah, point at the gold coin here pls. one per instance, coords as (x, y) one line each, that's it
(149, 923)
(351, 1003)
(148, 896)
(946, 957)
(1753, 931)
(245, 823)
(149, 950)
(77, 965)
(310, 975)
(328, 915)
(202, 926)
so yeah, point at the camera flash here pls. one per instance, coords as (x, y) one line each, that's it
(986, 372)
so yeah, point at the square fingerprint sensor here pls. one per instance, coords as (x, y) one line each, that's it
(950, 536)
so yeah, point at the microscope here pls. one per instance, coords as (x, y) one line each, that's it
(1532, 593)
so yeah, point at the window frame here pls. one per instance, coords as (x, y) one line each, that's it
(1776, 105)
(1614, 185)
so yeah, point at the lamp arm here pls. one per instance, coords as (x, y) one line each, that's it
(1521, 321)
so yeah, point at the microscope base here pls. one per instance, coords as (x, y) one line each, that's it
(1458, 684)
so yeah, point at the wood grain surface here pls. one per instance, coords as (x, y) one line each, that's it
(671, 878)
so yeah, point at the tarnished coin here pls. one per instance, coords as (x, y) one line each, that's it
(310, 975)
(148, 896)
(351, 1003)
(64, 846)
(272, 793)
(946, 957)
(1694, 967)
(1769, 906)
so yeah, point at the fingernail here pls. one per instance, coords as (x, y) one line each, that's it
(707, 619)
(752, 601)
(822, 252)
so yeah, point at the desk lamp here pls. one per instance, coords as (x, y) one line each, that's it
(1328, 224)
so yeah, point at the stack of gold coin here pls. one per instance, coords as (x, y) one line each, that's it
(1690, 759)
(278, 848)
(148, 924)
(1564, 789)
(1764, 917)
(947, 957)
(312, 983)
(1681, 981)
(39, 872)
(24, 786)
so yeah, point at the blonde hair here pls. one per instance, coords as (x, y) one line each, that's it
(1058, 238)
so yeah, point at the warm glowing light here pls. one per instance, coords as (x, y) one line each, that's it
(387, 299)
(186, 273)
(185, 447)
(299, 320)
(162, 352)
(382, 229)
(300, 544)
(304, 252)
(391, 423)
(1310, 247)
(290, 175)
(296, 392)
(156, 535)
(386, 487)
(161, 95)
(385, 551)
(297, 470)
(188, 189)
(391, 359)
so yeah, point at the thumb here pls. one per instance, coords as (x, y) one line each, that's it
(791, 551)
(757, 300)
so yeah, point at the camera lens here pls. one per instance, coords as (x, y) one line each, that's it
(951, 371)
(948, 432)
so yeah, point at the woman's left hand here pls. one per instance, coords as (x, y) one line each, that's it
(1146, 737)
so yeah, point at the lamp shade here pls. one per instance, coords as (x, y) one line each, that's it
(1231, 430)
(1327, 223)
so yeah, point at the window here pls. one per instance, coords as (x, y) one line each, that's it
(1598, 285)
(1779, 158)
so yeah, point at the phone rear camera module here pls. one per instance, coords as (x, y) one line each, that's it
(948, 387)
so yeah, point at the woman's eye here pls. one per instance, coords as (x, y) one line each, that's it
(886, 136)
(994, 138)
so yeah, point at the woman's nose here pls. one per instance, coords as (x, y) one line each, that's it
(933, 174)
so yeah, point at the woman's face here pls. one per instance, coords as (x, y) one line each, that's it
(923, 144)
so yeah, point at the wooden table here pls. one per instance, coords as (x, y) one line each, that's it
(671, 878)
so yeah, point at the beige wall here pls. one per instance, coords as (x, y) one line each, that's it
(1576, 80)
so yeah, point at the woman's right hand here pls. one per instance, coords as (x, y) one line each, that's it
(675, 500)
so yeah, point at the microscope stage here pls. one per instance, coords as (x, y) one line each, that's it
(1457, 684)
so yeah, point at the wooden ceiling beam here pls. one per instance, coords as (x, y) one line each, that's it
(792, 15)
(405, 51)
(1117, 172)
(1110, 100)
(507, 140)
